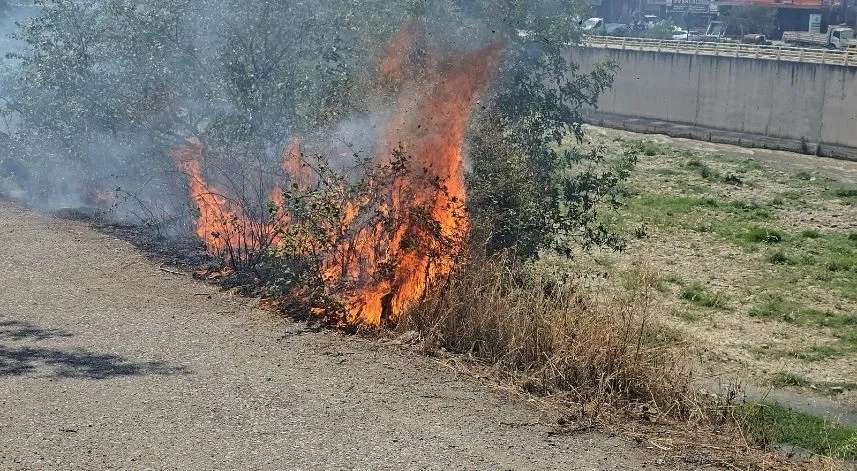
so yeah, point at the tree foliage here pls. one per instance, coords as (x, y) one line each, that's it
(750, 19)
(107, 87)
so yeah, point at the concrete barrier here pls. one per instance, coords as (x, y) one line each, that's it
(758, 102)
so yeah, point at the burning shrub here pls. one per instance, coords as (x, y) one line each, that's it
(379, 244)
(223, 90)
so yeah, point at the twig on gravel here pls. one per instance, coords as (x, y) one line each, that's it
(172, 272)
(520, 424)
(660, 447)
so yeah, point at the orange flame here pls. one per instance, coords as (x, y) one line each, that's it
(388, 267)
(429, 124)
(103, 197)
(220, 226)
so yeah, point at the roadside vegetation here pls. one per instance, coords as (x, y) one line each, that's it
(774, 425)
(758, 264)
(530, 264)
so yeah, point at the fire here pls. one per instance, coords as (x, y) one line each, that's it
(223, 228)
(429, 124)
(103, 197)
(386, 267)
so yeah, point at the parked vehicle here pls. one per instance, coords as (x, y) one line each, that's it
(836, 37)
(687, 36)
(598, 26)
(593, 25)
(755, 39)
(615, 29)
(716, 29)
(650, 20)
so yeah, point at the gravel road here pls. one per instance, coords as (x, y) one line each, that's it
(107, 362)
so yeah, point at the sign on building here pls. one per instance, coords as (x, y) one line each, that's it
(694, 6)
(815, 23)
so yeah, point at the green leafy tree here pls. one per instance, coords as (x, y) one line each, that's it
(532, 189)
(751, 19)
(109, 86)
(661, 30)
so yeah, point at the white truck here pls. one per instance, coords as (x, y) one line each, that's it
(837, 37)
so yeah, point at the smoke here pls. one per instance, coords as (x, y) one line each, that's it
(100, 92)
(13, 174)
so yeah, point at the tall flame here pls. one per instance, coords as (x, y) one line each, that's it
(396, 264)
(429, 125)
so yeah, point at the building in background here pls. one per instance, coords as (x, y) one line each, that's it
(794, 15)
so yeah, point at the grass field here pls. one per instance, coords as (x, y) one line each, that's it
(757, 258)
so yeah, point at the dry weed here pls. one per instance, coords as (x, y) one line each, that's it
(597, 346)
(558, 337)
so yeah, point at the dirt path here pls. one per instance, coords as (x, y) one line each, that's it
(107, 362)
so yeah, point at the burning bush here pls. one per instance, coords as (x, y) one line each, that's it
(358, 236)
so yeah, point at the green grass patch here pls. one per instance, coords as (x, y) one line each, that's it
(822, 352)
(828, 388)
(789, 379)
(771, 424)
(747, 211)
(777, 307)
(651, 148)
(847, 195)
(810, 234)
(703, 170)
(778, 257)
(764, 235)
(674, 279)
(690, 188)
(701, 296)
(845, 192)
(749, 165)
(662, 210)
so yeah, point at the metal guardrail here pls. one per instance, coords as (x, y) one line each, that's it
(751, 51)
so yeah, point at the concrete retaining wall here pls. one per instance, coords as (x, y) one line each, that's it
(774, 101)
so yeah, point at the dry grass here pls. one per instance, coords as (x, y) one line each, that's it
(595, 345)
(558, 338)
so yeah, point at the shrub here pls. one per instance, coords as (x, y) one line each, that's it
(846, 192)
(771, 424)
(701, 296)
(708, 174)
(778, 258)
(765, 235)
(810, 233)
(641, 231)
(651, 148)
(553, 336)
(661, 30)
(732, 179)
